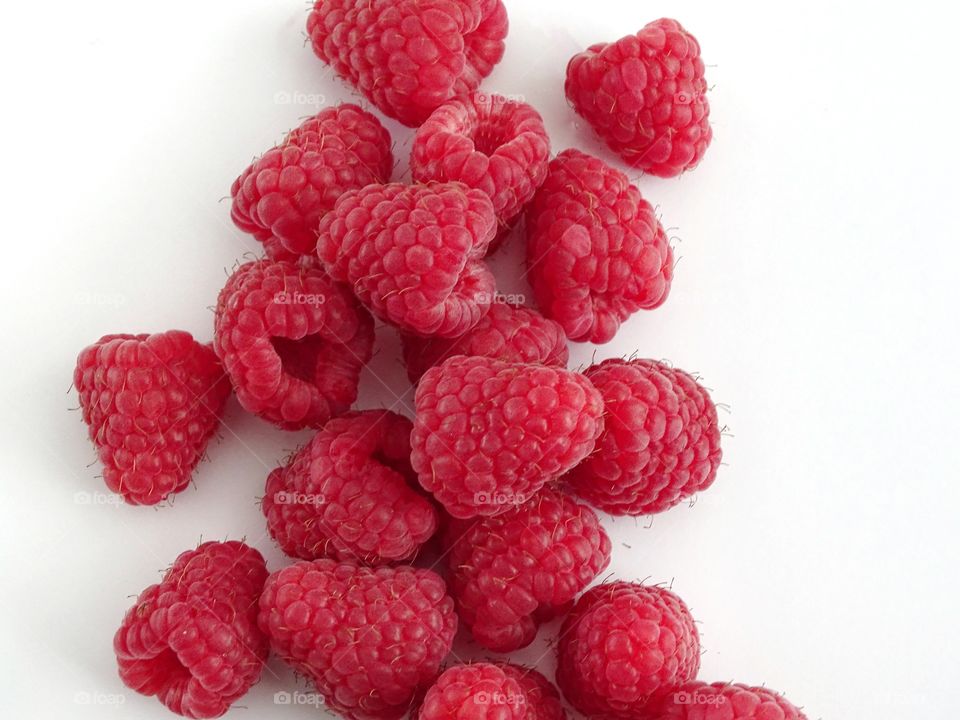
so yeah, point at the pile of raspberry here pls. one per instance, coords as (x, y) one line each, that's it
(484, 511)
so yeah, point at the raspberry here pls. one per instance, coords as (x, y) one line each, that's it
(486, 142)
(151, 402)
(192, 640)
(293, 342)
(508, 332)
(281, 197)
(370, 639)
(414, 254)
(595, 251)
(621, 644)
(487, 691)
(661, 439)
(488, 434)
(722, 701)
(409, 56)
(646, 97)
(512, 571)
(541, 698)
(346, 495)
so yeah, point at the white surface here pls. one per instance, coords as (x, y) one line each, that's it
(816, 294)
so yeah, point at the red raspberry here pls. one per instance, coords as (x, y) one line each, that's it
(370, 639)
(623, 643)
(488, 691)
(281, 197)
(293, 342)
(646, 96)
(661, 439)
(192, 640)
(542, 698)
(595, 251)
(409, 56)
(346, 495)
(488, 435)
(722, 701)
(152, 402)
(512, 571)
(414, 254)
(486, 142)
(508, 332)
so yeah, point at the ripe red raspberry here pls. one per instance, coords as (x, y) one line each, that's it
(722, 701)
(151, 402)
(661, 439)
(510, 572)
(596, 252)
(347, 494)
(623, 643)
(488, 435)
(486, 142)
(488, 691)
(409, 56)
(508, 332)
(293, 342)
(281, 197)
(542, 698)
(370, 639)
(414, 254)
(192, 640)
(645, 95)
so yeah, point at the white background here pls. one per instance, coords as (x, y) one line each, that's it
(816, 294)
